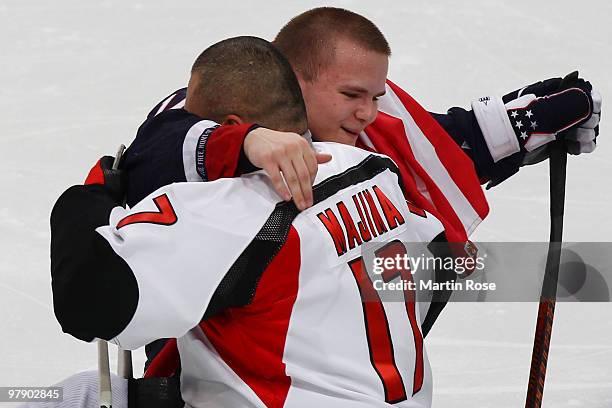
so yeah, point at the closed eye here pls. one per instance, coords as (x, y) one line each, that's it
(350, 95)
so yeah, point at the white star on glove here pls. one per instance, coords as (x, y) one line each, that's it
(529, 114)
(524, 135)
(519, 124)
(514, 114)
(534, 124)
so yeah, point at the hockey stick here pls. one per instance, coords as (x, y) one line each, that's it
(124, 357)
(105, 389)
(106, 397)
(546, 310)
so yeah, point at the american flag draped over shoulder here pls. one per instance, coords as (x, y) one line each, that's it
(437, 175)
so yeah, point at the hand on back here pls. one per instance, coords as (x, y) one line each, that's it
(288, 159)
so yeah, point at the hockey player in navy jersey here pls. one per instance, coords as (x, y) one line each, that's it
(266, 301)
(341, 62)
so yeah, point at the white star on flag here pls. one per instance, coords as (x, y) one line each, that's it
(524, 135)
(529, 114)
(519, 124)
(534, 124)
(514, 114)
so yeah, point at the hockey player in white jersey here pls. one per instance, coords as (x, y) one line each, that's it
(266, 301)
(268, 309)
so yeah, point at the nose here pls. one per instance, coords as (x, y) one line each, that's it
(366, 111)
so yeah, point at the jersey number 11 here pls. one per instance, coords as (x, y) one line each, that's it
(377, 325)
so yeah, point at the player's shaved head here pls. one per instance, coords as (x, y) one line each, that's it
(247, 77)
(308, 40)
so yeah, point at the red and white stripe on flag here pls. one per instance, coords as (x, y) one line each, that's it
(437, 175)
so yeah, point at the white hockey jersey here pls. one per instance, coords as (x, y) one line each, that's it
(305, 337)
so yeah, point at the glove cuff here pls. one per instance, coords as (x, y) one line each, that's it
(496, 128)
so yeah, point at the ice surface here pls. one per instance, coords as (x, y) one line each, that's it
(78, 78)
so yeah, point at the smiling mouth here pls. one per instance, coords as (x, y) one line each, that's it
(349, 131)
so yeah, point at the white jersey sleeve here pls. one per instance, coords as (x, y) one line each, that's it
(179, 243)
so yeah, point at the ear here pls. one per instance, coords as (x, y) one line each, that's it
(301, 81)
(192, 105)
(232, 119)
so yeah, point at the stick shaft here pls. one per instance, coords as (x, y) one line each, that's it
(106, 395)
(106, 398)
(546, 310)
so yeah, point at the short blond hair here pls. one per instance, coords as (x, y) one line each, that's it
(308, 40)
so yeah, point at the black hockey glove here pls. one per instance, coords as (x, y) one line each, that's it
(527, 119)
(113, 180)
(539, 89)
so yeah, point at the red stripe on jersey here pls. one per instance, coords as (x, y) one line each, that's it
(165, 363)
(95, 176)
(251, 339)
(223, 150)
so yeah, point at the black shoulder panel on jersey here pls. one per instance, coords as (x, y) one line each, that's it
(155, 157)
(370, 167)
(95, 293)
(240, 283)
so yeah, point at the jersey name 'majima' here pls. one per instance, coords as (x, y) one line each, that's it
(370, 223)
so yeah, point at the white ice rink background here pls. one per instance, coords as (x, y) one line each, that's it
(78, 77)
